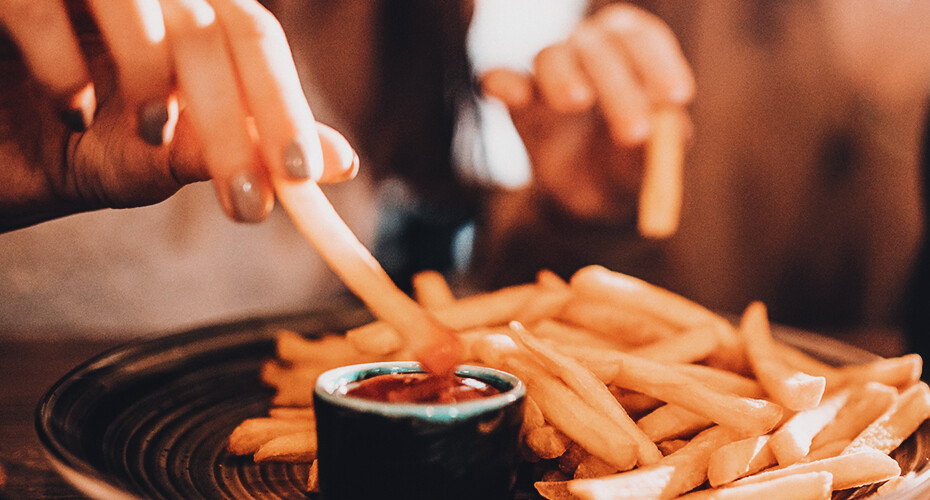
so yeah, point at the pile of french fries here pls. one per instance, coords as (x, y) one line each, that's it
(635, 392)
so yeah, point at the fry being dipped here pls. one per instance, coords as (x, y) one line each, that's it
(433, 344)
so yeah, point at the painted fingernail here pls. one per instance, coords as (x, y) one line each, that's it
(295, 161)
(80, 108)
(152, 120)
(246, 198)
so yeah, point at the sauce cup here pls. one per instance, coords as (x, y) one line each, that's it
(373, 449)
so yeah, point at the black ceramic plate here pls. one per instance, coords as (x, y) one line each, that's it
(150, 419)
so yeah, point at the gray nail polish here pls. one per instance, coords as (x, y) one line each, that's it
(152, 120)
(246, 198)
(296, 162)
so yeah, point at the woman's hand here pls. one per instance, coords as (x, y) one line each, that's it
(187, 90)
(584, 113)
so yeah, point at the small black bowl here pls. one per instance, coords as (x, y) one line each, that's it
(372, 449)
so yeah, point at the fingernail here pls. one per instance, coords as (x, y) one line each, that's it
(152, 120)
(246, 198)
(80, 108)
(295, 161)
(353, 170)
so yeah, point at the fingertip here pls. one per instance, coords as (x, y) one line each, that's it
(510, 87)
(340, 161)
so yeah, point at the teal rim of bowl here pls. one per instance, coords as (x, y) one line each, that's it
(329, 383)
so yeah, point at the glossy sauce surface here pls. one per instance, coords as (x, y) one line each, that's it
(420, 388)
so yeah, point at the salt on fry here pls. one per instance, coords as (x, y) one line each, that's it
(806, 486)
(432, 343)
(867, 403)
(299, 447)
(661, 191)
(591, 390)
(739, 458)
(791, 388)
(431, 289)
(900, 421)
(675, 474)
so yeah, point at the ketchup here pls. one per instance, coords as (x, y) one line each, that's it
(420, 388)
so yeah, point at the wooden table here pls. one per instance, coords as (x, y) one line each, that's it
(28, 368)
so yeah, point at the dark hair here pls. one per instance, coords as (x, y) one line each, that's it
(426, 82)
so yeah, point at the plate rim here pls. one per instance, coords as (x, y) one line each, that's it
(96, 484)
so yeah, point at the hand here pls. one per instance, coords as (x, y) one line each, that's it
(187, 90)
(584, 113)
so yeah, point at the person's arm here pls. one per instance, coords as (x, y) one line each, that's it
(165, 93)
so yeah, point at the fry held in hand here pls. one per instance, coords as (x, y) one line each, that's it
(432, 343)
(661, 191)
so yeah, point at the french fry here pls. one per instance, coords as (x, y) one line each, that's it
(803, 362)
(564, 334)
(867, 403)
(900, 421)
(485, 309)
(313, 477)
(624, 325)
(547, 442)
(330, 349)
(792, 441)
(671, 446)
(554, 490)
(849, 470)
(690, 346)
(806, 486)
(299, 447)
(547, 304)
(633, 294)
(570, 414)
(739, 458)
(900, 372)
(661, 191)
(828, 450)
(791, 388)
(431, 290)
(591, 390)
(252, 433)
(592, 466)
(751, 417)
(675, 474)
(288, 413)
(432, 343)
(550, 280)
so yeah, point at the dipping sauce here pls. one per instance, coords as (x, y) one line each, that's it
(420, 388)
